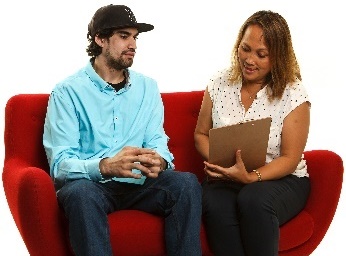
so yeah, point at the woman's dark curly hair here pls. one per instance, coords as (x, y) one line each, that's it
(277, 36)
(93, 48)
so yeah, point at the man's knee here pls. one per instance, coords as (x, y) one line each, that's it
(78, 190)
(190, 182)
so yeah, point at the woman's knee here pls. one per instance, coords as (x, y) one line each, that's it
(219, 201)
(252, 198)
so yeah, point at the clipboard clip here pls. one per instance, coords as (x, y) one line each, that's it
(246, 120)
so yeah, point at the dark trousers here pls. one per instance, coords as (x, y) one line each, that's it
(174, 195)
(244, 219)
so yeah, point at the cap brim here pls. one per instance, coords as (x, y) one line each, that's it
(144, 27)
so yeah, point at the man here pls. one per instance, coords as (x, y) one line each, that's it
(107, 148)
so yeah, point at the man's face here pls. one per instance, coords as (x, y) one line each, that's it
(119, 50)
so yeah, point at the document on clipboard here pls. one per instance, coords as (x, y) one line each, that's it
(251, 137)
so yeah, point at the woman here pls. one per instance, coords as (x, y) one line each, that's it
(243, 209)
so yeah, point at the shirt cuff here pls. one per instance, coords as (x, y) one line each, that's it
(93, 166)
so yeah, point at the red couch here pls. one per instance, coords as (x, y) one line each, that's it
(32, 201)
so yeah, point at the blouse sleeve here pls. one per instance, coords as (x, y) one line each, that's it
(298, 95)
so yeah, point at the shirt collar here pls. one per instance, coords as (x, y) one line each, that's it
(260, 94)
(99, 82)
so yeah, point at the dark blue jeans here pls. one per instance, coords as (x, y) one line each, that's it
(174, 195)
(244, 219)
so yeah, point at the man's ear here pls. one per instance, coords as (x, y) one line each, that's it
(99, 41)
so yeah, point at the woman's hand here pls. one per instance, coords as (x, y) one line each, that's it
(237, 172)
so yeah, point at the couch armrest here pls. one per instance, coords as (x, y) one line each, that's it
(326, 174)
(32, 201)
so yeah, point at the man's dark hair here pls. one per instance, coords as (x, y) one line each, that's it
(93, 48)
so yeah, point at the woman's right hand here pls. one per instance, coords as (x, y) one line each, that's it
(237, 172)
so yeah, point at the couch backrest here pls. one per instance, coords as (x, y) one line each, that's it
(181, 113)
(24, 119)
(25, 114)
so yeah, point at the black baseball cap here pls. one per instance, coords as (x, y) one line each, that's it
(115, 16)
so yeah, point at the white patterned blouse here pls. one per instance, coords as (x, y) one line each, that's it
(228, 109)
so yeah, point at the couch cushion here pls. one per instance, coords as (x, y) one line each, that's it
(129, 238)
(136, 233)
(296, 232)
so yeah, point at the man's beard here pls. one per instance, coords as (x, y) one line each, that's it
(119, 63)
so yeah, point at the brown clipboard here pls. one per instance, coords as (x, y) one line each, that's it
(251, 137)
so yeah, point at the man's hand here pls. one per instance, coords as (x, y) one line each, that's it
(157, 166)
(149, 162)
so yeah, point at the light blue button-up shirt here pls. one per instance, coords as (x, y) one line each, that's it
(87, 120)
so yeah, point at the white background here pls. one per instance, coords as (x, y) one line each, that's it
(44, 41)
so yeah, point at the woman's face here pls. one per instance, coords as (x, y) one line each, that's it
(253, 56)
